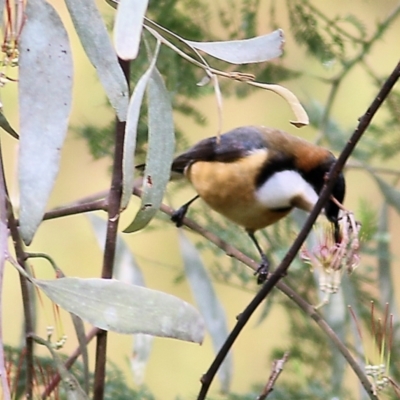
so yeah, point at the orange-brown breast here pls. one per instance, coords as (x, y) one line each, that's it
(229, 188)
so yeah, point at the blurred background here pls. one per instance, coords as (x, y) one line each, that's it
(336, 55)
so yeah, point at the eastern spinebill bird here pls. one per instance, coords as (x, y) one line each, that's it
(255, 175)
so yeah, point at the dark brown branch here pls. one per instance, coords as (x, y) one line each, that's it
(75, 209)
(281, 271)
(26, 295)
(113, 208)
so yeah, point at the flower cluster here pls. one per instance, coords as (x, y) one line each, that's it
(330, 258)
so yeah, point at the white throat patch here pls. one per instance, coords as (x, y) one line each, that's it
(287, 189)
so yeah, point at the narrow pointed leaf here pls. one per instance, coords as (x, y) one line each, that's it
(386, 280)
(128, 27)
(208, 303)
(2, 2)
(45, 93)
(160, 154)
(128, 163)
(254, 50)
(141, 350)
(116, 306)
(391, 194)
(7, 127)
(298, 110)
(97, 44)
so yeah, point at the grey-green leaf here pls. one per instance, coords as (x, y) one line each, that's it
(385, 275)
(160, 154)
(208, 303)
(391, 194)
(6, 125)
(128, 27)
(116, 306)
(254, 50)
(45, 94)
(2, 2)
(128, 164)
(97, 44)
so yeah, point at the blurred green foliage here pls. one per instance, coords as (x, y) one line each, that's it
(116, 387)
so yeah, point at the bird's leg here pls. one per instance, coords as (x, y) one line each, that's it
(263, 269)
(180, 213)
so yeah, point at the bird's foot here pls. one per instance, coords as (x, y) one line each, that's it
(178, 216)
(262, 270)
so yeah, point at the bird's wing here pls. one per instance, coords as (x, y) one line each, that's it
(228, 147)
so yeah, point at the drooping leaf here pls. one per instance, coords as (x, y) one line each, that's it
(97, 44)
(160, 154)
(128, 164)
(6, 125)
(298, 110)
(254, 50)
(45, 93)
(139, 358)
(386, 280)
(391, 194)
(2, 2)
(128, 27)
(208, 303)
(116, 306)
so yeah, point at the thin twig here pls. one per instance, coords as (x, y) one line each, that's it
(26, 295)
(281, 271)
(75, 209)
(277, 367)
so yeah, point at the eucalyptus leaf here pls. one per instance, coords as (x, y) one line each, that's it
(254, 50)
(292, 100)
(160, 154)
(117, 306)
(2, 2)
(96, 42)
(6, 125)
(385, 277)
(128, 27)
(128, 164)
(45, 94)
(391, 194)
(208, 304)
